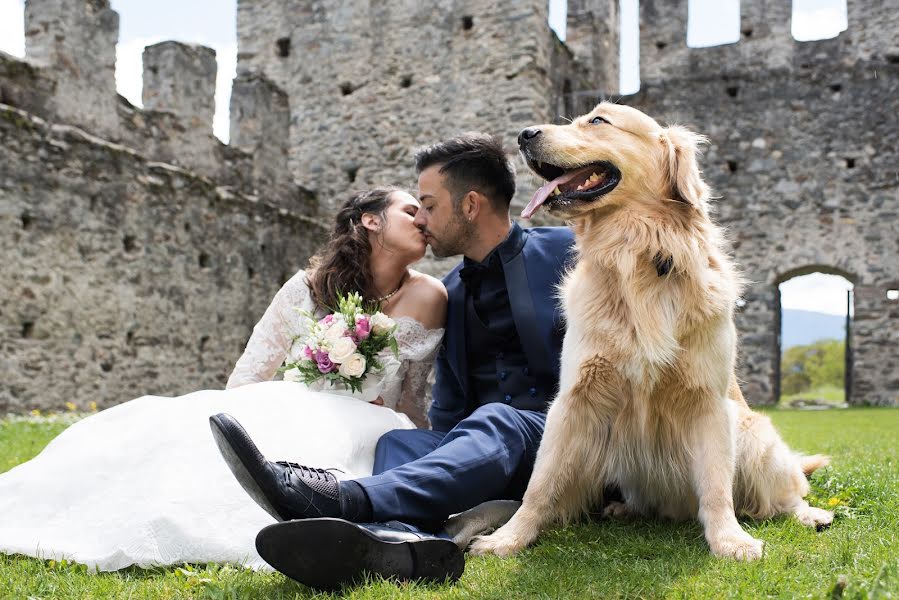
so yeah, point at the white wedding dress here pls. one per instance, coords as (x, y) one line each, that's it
(143, 483)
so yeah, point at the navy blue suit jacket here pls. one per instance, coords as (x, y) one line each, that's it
(532, 277)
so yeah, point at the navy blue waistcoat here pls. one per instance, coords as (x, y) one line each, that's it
(532, 277)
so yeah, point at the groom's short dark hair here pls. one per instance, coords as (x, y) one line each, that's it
(472, 161)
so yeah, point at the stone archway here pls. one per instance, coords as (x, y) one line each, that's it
(820, 310)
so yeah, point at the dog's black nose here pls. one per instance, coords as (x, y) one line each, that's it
(527, 135)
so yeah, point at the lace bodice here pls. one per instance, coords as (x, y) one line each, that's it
(403, 386)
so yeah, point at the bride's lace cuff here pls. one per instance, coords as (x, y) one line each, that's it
(415, 398)
(273, 334)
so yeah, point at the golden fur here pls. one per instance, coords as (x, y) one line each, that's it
(648, 399)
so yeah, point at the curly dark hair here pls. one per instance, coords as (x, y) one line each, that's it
(342, 266)
(472, 161)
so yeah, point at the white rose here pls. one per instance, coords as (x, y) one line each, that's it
(335, 331)
(341, 350)
(381, 323)
(293, 375)
(354, 366)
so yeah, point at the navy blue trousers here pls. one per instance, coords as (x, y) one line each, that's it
(422, 477)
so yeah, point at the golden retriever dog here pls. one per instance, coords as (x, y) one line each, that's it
(647, 397)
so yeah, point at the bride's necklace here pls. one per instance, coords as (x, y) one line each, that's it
(391, 294)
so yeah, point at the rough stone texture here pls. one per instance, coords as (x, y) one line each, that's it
(803, 155)
(77, 38)
(125, 277)
(23, 84)
(181, 78)
(138, 249)
(786, 120)
(118, 266)
(369, 82)
(592, 34)
(260, 120)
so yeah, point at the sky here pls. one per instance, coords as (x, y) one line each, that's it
(213, 23)
(816, 292)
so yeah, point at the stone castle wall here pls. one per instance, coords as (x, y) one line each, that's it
(369, 82)
(138, 250)
(803, 158)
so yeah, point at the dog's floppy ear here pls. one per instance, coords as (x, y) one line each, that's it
(681, 147)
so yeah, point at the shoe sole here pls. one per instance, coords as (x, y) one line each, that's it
(242, 457)
(326, 553)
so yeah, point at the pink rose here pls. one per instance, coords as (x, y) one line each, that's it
(324, 363)
(363, 328)
(327, 320)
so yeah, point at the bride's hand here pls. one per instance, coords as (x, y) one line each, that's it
(379, 401)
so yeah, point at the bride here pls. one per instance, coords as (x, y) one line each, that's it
(143, 483)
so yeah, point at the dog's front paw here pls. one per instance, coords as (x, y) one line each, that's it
(617, 510)
(814, 517)
(739, 545)
(500, 543)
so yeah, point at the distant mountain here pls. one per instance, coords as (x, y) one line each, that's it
(801, 327)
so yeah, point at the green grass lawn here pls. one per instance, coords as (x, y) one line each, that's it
(858, 557)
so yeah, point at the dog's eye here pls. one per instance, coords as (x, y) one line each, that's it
(597, 120)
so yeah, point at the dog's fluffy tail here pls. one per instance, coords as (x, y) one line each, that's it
(810, 464)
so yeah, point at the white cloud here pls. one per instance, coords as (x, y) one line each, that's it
(12, 27)
(816, 292)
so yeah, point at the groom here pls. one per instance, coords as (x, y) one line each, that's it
(496, 372)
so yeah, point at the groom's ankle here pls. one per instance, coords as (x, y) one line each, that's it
(354, 503)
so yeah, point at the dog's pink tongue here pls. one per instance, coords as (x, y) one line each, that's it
(543, 193)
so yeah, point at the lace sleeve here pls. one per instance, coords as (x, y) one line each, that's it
(273, 334)
(415, 396)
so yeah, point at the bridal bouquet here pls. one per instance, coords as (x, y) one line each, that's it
(342, 348)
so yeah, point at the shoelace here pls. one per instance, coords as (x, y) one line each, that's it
(308, 472)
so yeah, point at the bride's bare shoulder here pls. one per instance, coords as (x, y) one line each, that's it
(428, 305)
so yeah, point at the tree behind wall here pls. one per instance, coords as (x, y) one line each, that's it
(812, 366)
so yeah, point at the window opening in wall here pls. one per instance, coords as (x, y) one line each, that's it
(283, 47)
(818, 19)
(713, 23)
(814, 340)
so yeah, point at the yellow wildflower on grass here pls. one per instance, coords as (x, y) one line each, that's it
(71, 406)
(93, 406)
(833, 502)
(36, 412)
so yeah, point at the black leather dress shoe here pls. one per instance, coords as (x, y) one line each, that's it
(330, 553)
(285, 490)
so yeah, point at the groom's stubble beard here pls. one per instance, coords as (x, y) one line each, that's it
(456, 237)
